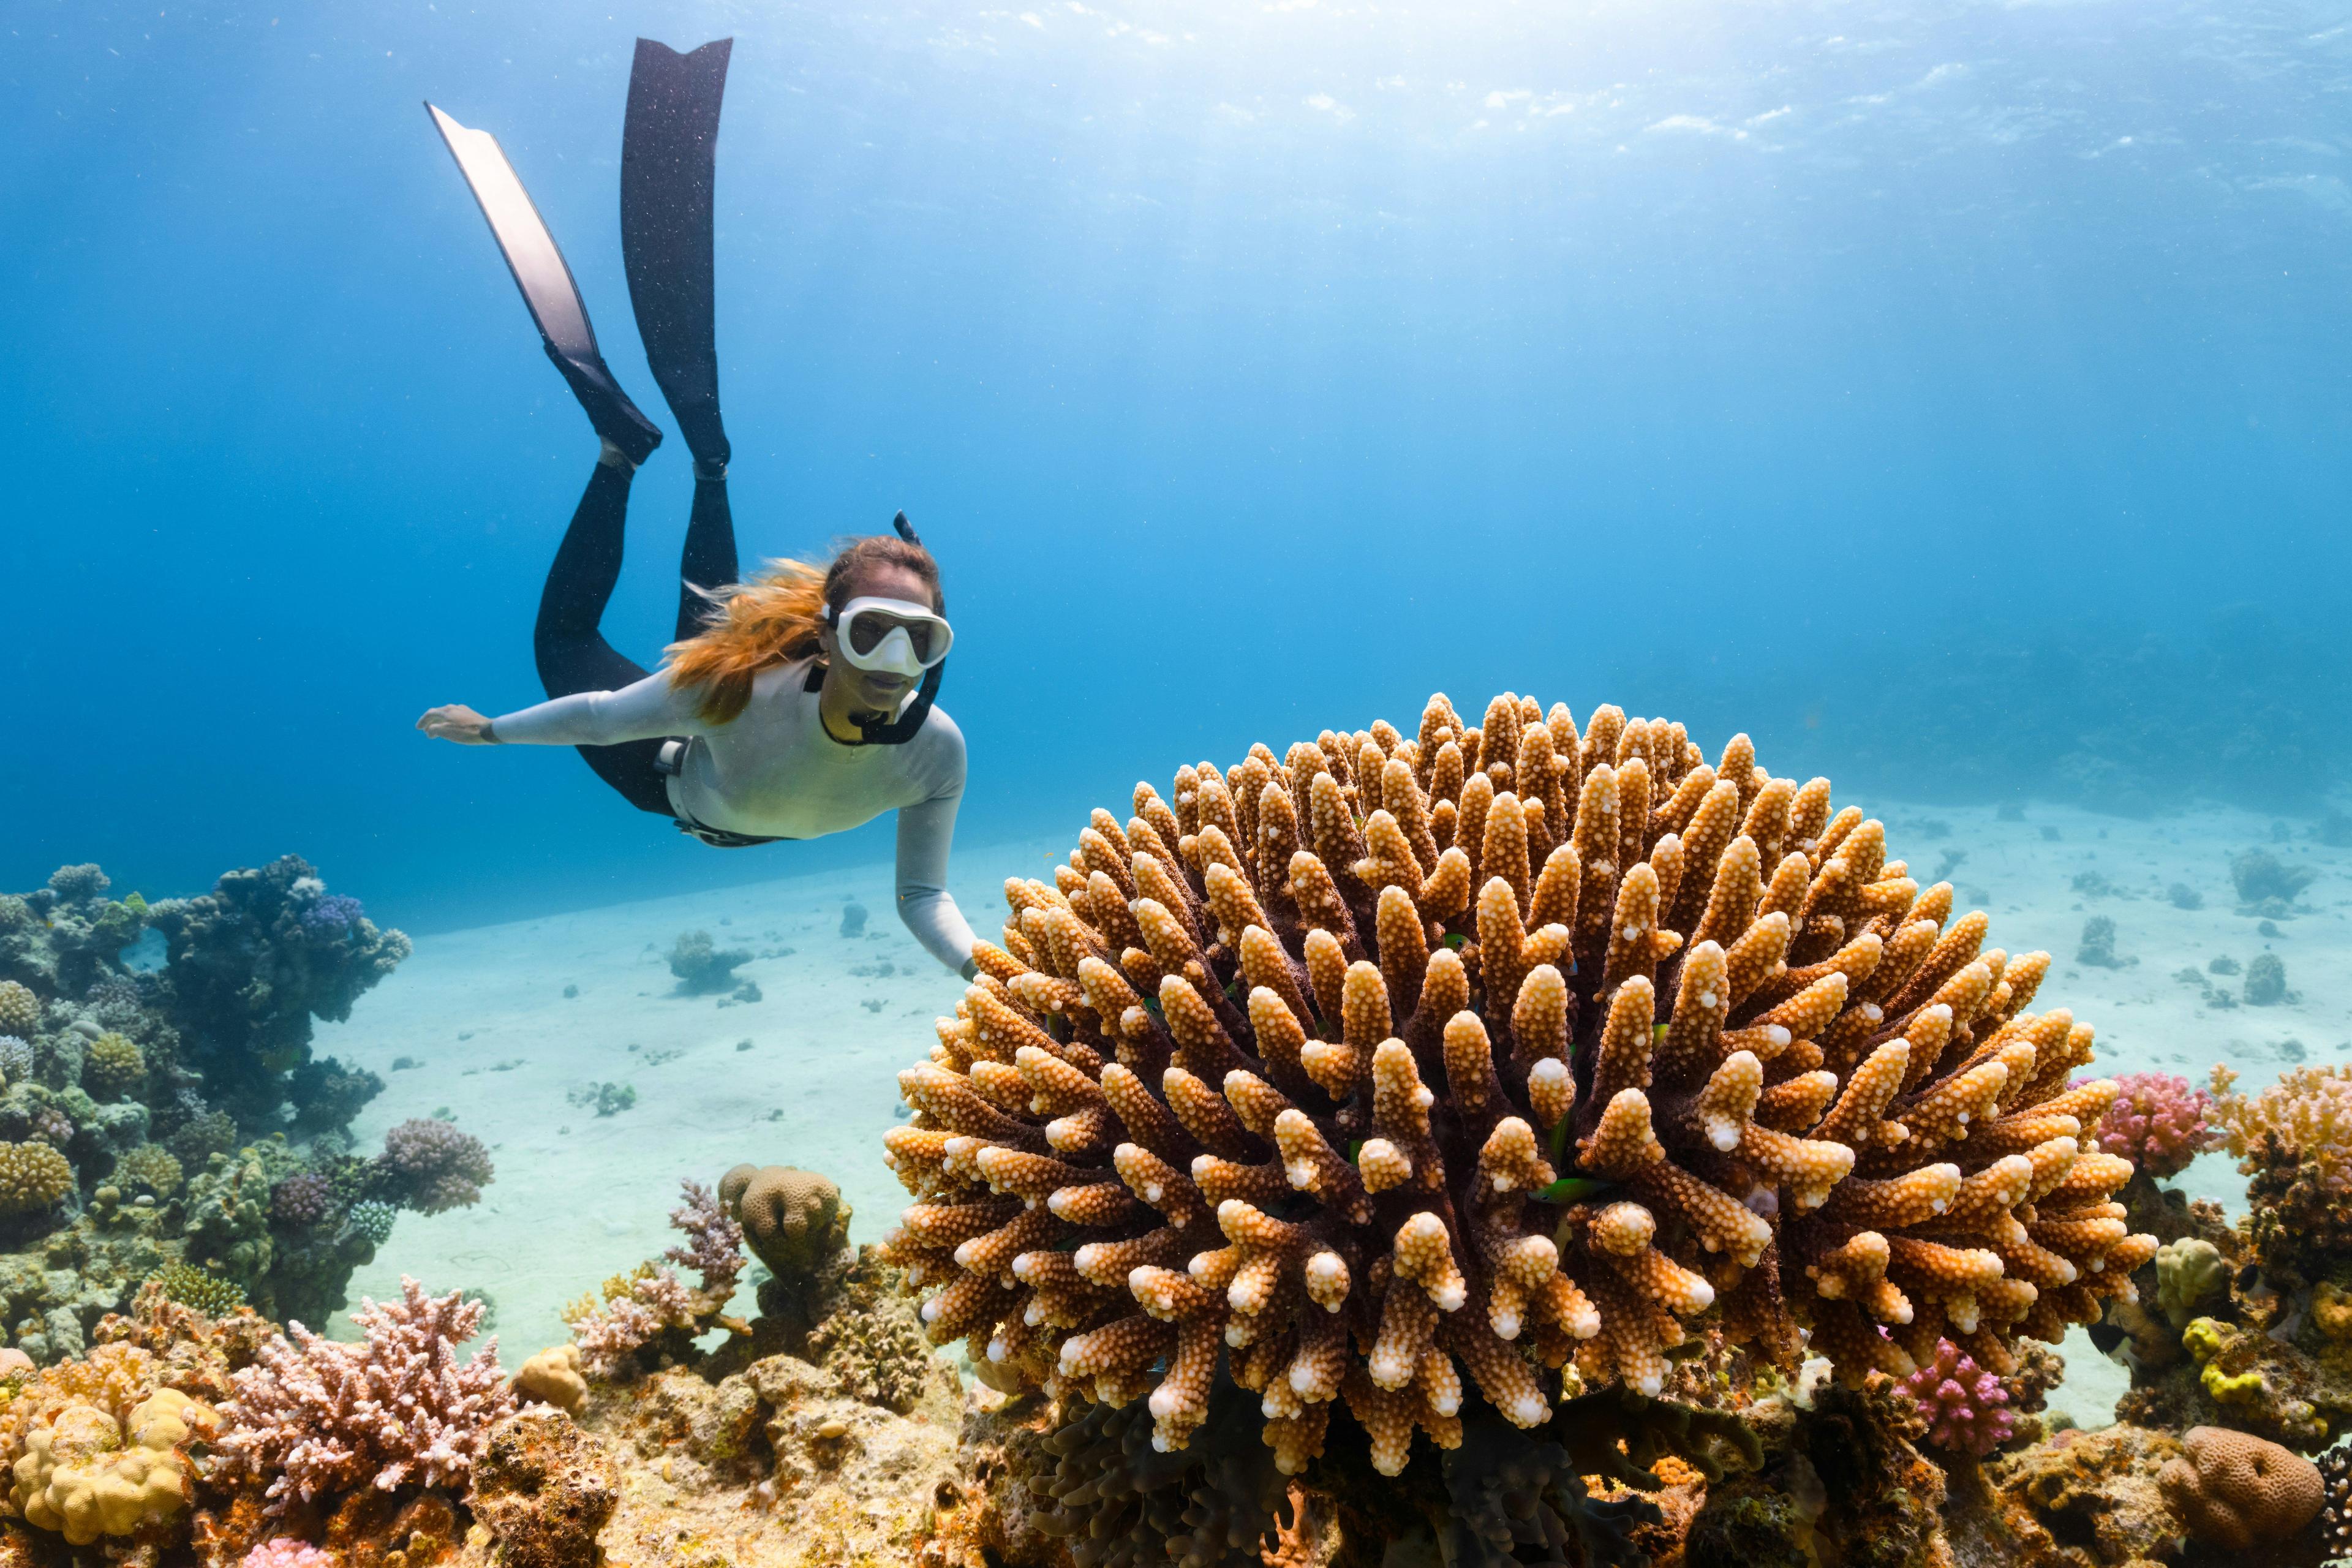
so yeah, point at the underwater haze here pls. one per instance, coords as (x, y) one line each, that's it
(1952, 395)
(1953, 399)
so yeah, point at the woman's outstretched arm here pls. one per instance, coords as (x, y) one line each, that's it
(650, 707)
(925, 831)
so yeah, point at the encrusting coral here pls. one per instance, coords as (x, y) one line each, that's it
(1396, 1073)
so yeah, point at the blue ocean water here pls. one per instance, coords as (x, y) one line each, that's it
(1953, 395)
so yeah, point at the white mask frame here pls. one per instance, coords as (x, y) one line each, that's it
(893, 652)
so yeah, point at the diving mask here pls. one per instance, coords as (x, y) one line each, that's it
(895, 636)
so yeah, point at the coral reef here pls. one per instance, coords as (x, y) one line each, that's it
(1965, 1407)
(2267, 885)
(2265, 984)
(148, 1116)
(33, 1177)
(792, 1220)
(430, 1166)
(1393, 1074)
(86, 1473)
(2238, 1491)
(2191, 1273)
(2157, 1122)
(2087, 1499)
(702, 966)
(649, 1315)
(2293, 1142)
(543, 1490)
(315, 1416)
(286, 1552)
(554, 1376)
(2097, 946)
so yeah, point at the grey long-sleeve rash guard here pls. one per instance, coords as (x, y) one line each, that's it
(775, 772)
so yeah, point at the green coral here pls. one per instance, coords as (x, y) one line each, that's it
(2190, 1272)
(113, 1067)
(199, 1289)
(373, 1220)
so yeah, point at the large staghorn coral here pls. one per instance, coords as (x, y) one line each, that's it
(1391, 1068)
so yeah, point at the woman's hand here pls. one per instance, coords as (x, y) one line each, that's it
(457, 722)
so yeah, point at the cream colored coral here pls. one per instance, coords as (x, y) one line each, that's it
(84, 1475)
(553, 1377)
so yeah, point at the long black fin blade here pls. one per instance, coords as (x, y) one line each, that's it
(668, 152)
(547, 285)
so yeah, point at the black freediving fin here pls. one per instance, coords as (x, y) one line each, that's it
(547, 286)
(668, 148)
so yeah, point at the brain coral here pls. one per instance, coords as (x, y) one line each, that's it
(793, 1219)
(20, 1010)
(2239, 1491)
(1389, 1069)
(113, 1067)
(32, 1176)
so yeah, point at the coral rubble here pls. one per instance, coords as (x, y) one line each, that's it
(1439, 1078)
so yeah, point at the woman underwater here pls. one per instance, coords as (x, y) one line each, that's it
(789, 707)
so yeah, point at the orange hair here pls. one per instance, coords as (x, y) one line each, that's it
(773, 619)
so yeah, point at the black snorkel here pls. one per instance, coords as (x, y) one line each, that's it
(899, 730)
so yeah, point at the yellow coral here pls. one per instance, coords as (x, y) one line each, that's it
(83, 1474)
(113, 1066)
(1403, 987)
(32, 1176)
(20, 1010)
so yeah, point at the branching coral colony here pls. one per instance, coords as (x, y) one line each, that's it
(1495, 1063)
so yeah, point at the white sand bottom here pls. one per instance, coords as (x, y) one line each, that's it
(807, 1075)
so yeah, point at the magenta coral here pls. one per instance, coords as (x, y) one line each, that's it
(286, 1552)
(315, 1417)
(2157, 1122)
(1965, 1408)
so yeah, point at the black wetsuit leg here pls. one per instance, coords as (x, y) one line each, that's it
(709, 560)
(570, 646)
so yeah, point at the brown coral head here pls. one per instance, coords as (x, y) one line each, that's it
(793, 1219)
(1282, 1083)
(2239, 1491)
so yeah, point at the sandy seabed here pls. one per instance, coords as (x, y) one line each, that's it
(807, 1075)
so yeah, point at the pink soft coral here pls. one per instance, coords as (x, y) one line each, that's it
(286, 1552)
(315, 1417)
(1965, 1408)
(2157, 1122)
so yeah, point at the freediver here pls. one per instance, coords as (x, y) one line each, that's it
(788, 706)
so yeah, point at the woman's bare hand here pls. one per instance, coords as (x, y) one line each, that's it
(457, 722)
